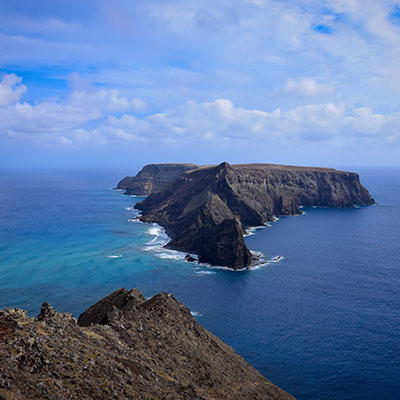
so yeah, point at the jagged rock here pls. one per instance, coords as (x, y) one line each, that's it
(98, 313)
(152, 178)
(46, 311)
(207, 209)
(147, 349)
(189, 258)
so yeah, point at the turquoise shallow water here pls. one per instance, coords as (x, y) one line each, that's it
(324, 323)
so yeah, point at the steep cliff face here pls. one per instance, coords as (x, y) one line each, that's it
(123, 347)
(206, 210)
(269, 190)
(152, 178)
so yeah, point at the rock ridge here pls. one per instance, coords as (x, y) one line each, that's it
(123, 347)
(206, 210)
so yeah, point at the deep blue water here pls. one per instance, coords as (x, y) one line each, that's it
(323, 323)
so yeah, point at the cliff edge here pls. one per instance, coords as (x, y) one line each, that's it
(123, 347)
(152, 178)
(207, 210)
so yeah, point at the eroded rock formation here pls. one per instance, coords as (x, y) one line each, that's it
(123, 347)
(206, 210)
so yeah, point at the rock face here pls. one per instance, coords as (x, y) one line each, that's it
(121, 299)
(125, 348)
(206, 210)
(152, 178)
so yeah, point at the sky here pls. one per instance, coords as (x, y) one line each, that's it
(106, 84)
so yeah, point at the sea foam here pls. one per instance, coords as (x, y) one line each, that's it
(203, 272)
(253, 229)
(196, 314)
(160, 238)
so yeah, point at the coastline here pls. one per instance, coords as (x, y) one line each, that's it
(258, 258)
(315, 274)
(158, 231)
(171, 252)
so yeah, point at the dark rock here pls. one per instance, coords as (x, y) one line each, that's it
(152, 178)
(206, 210)
(46, 311)
(120, 299)
(189, 258)
(147, 349)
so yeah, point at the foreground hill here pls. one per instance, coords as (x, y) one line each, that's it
(206, 210)
(123, 347)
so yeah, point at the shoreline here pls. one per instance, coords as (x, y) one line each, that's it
(259, 259)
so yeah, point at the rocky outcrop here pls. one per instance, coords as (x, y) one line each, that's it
(123, 347)
(121, 299)
(152, 178)
(206, 210)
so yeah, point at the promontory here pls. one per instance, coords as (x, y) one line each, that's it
(206, 209)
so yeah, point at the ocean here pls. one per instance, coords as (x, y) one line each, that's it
(323, 323)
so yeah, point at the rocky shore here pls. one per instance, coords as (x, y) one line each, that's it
(206, 210)
(123, 347)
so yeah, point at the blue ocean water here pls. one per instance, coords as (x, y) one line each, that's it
(323, 323)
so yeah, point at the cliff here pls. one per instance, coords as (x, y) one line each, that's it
(152, 178)
(206, 210)
(123, 347)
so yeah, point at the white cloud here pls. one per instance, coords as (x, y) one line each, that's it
(82, 136)
(58, 120)
(139, 104)
(176, 46)
(222, 120)
(270, 19)
(373, 15)
(365, 122)
(65, 141)
(127, 127)
(104, 101)
(11, 90)
(307, 87)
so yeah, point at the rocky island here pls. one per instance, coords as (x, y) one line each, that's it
(206, 210)
(123, 347)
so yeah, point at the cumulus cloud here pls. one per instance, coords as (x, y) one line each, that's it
(222, 120)
(11, 90)
(59, 120)
(104, 101)
(128, 127)
(103, 116)
(307, 87)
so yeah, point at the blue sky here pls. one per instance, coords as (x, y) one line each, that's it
(114, 84)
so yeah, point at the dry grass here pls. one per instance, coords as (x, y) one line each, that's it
(92, 334)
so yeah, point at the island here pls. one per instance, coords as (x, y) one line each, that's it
(123, 347)
(207, 209)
